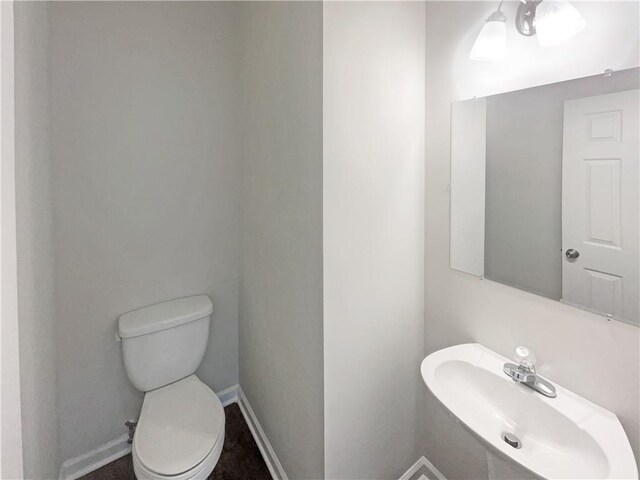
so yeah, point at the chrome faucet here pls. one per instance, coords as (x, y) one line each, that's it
(525, 372)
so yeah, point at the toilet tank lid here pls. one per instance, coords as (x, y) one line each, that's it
(162, 316)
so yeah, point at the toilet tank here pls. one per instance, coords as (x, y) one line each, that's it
(164, 343)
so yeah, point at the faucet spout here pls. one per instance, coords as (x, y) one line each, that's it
(528, 377)
(519, 373)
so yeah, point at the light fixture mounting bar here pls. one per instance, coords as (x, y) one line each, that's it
(525, 17)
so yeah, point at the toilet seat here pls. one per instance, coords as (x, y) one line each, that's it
(180, 432)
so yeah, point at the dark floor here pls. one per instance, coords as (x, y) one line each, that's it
(240, 458)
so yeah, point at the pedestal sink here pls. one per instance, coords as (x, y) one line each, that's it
(563, 437)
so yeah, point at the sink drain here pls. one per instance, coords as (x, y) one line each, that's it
(512, 440)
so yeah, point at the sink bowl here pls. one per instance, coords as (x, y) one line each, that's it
(563, 437)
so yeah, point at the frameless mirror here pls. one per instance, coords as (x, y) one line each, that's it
(545, 191)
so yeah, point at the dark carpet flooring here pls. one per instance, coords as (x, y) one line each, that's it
(240, 458)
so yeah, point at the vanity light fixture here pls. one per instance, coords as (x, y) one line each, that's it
(554, 21)
(492, 39)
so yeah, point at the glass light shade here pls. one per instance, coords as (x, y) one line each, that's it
(556, 21)
(491, 42)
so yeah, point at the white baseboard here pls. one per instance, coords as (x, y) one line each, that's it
(426, 470)
(269, 455)
(98, 457)
(228, 395)
(76, 467)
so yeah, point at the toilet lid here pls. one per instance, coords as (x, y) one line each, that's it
(178, 427)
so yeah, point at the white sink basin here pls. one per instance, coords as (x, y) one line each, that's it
(562, 437)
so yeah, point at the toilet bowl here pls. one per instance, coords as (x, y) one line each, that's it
(180, 431)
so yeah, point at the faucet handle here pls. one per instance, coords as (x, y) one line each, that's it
(525, 358)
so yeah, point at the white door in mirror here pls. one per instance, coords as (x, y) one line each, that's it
(600, 198)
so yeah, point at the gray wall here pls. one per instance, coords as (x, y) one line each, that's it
(145, 189)
(35, 253)
(280, 341)
(523, 228)
(602, 362)
(373, 196)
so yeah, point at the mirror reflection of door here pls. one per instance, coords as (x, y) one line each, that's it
(600, 204)
(545, 191)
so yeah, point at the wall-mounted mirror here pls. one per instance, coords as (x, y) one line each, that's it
(545, 191)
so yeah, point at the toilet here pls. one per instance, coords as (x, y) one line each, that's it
(180, 431)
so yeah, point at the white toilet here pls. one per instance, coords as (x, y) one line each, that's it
(180, 431)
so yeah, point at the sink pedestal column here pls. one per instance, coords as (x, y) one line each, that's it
(504, 469)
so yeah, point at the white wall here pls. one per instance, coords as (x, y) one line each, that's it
(11, 465)
(145, 189)
(597, 359)
(281, 277)
(373, 184)
(35, 251)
